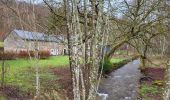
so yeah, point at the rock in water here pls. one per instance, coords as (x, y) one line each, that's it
(127, 98)
(102, 96)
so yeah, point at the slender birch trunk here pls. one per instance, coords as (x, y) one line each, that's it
(3, 72)
(85, 86)
(163, 47)
(166, 95)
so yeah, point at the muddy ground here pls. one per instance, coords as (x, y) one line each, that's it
(152, 83)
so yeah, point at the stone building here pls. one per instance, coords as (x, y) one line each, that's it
(20, 40)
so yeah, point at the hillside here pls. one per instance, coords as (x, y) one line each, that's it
(20, 16)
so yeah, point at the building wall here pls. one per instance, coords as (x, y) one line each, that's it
(16, 44)
(12, 42)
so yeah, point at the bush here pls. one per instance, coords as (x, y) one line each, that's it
(23, 54)
(44, 54)
(7, 55)
(41, 54)
(107, 66)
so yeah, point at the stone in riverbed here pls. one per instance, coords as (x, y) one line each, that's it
(102, 96)
(127, 98)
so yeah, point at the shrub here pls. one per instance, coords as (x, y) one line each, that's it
(107, 66)
(41, 54)
(7, 55)
(23, 54)
(44, 54)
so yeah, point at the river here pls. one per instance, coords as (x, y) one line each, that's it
(123, 83)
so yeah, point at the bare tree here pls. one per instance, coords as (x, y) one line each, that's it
(85, 46)
(141, 22)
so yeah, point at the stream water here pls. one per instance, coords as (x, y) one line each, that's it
(122, 84)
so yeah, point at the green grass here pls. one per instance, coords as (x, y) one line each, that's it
(52, 61)
(21, 73)
(111, 64)
(116, 60)
(145, 89)
(21, 64)
(1, 44)
(121, 52)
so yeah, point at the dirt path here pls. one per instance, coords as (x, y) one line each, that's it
(122, 84)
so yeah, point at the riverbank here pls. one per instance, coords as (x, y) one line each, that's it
(152, 82)
(53, 79)
(64, 75)
(107, 69)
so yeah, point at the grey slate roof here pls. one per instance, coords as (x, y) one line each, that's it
(35, 36)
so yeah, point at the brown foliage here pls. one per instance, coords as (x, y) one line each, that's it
(41, 54)
(44, 54)
(7, 55)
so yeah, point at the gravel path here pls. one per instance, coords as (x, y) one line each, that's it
(122, 84)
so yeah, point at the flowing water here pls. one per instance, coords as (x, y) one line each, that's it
(122, 84)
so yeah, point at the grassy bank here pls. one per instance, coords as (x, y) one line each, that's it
(52, 61)
(153, 80)
(115, 63)
(20, 73)
(152, 83)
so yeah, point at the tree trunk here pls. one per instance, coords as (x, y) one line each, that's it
(37, 78)
(143, 57)
(142, 62)
(84, 67)
(166, 94)
(113, 49)
(3, 72)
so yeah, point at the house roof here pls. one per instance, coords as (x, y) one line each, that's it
(35, 36)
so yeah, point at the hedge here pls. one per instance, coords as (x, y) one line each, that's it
(23, 54)
(41, 54)
(7, 55)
